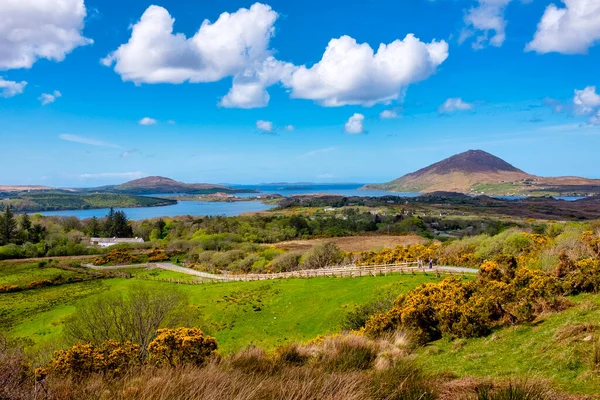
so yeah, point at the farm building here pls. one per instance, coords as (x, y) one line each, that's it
(107, 242)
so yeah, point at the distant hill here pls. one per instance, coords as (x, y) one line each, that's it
(479, 172)
(159, 184)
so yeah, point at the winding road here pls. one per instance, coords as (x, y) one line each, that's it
(348, 271)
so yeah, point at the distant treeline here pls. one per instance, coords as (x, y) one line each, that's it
(35, 202)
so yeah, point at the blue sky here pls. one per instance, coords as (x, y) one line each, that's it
(253, 96)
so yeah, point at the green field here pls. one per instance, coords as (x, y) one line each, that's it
(238, 314)
(557, 347)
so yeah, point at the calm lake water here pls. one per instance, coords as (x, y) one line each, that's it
(193, 208)
(204, 208)
(207, 208)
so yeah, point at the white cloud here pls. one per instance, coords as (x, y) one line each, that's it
(236, 45)
(388, 114)
(35, 29)
(455, 104)
(486, 20)
(147, 121)
(171, 122)
(124, 175)
(89, 141)
(47, 98)
(569, 30)
(11, 88)
(355, 124)
(352, 73)
(289, 128)
(266, 126)
(316, 152)
(595, 119)
(325, 176)
(586, 100)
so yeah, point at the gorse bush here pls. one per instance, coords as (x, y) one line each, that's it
(500, 295)
(177, 347)
(110, 357)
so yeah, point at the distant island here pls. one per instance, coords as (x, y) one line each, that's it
(478, 172)
(162, 185)
(134, 193)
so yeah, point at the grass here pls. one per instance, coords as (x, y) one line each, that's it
(20, 274)
(558, 347)
(263, 313)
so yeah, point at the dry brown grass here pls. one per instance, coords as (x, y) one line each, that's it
(355, 243)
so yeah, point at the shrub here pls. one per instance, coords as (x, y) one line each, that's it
(286, 262)
(176, 347)
(357, 318)
(110, 357)
(117, 257)
(157, 256)
(322, 255)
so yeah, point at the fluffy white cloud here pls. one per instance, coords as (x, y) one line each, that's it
(235, 45)
(148, 121)
(34, 29)
(266, 126)
(48, 98)
(11, 88)
(355, 124)
(455, 104)
(586, 100)
(352, 73)
(569, 30)
(388, 114)
(289, 128)
(486, 20)
(595, 119)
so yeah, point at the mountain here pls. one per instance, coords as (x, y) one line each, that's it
(159, 184)
(479, 172)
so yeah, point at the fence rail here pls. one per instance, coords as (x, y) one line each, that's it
(332, 272)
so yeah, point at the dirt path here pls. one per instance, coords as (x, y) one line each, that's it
(343, 271)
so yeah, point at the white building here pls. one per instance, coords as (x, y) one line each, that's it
(107, 242)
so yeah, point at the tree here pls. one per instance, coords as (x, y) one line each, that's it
(8, 226)
(37, 233)
(160, 225)
(133, 317)
(93, 227)
(121, 225)
(109, 224)
(25, 222)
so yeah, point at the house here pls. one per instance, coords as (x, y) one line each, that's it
(107, 242)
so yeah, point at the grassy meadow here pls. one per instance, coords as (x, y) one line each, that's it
(263, 313)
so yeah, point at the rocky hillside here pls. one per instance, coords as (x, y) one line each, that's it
(479, 172)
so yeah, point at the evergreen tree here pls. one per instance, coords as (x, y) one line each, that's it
(121, 225)
(160, 225)
(37, 233)
(8, 226)
(94, 227)
(109, 225)
(25, 222)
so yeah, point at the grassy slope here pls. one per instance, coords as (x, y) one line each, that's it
(546, 349)
(290, 310)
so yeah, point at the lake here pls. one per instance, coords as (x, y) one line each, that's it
(208, 208)
(193, 208)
